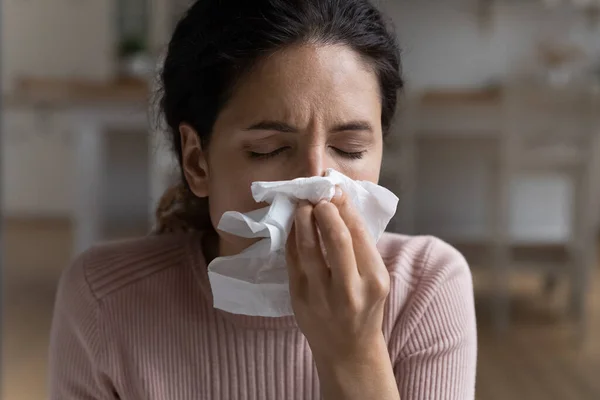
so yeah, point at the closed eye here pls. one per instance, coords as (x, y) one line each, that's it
(274, 153)
(354, 155)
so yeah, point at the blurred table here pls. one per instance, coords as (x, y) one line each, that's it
(93, 109)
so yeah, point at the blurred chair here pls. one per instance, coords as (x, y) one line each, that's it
(442, 119)
(549, 129)
(528, 128)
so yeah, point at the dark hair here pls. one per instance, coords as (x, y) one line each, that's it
(217, 41)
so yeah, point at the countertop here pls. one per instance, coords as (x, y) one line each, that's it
(31, 92)
(440, 97)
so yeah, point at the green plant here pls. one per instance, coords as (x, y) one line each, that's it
(130, 46)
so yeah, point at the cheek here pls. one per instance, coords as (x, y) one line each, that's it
(229, 189)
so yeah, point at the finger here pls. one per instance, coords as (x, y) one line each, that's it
(337, 241)
(297, 278)
(310, 256)
(365, 248)
(291, 254)
(352, 218)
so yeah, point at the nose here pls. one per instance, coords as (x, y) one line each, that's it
(312, 161)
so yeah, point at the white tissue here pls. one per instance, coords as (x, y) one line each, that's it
(255, 282)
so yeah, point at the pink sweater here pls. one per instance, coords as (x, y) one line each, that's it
(134, 321)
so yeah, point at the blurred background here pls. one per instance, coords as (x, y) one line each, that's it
(495, 150)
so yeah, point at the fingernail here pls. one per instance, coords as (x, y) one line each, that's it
(338, 192)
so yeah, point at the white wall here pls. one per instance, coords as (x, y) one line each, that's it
(37, 161)
(58, 38)
(37, 168)
(443, 44)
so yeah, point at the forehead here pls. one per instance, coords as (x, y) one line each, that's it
(302, 83)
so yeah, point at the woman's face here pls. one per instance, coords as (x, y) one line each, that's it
(297, 113)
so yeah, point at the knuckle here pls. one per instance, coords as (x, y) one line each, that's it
(304, 211)
(379, 284)
(324, 209)
(353, 307)
(320, 206)
(341, 200)
(340, 237)
(352, 303)
(360, 228)
(306, 244)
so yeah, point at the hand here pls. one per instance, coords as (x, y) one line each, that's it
(339, 285)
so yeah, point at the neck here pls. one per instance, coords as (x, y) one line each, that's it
(210, 245)
(215, 245)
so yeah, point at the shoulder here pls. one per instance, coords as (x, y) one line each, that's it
(427, 276)
(421, 259)
(430, 322)
(110, 267)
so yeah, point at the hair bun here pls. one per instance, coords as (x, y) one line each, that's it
(179, 210)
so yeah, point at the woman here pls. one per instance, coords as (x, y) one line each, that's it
(268, 90)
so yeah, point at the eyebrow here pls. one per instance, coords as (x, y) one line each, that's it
(272, 126)
(279, 126)
(353, 126)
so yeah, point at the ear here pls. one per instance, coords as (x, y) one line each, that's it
(194, 160)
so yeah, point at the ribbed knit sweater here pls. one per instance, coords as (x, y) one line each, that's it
(134, 320)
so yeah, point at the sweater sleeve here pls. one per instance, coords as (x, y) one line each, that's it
(438, 356)
(75, 371)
